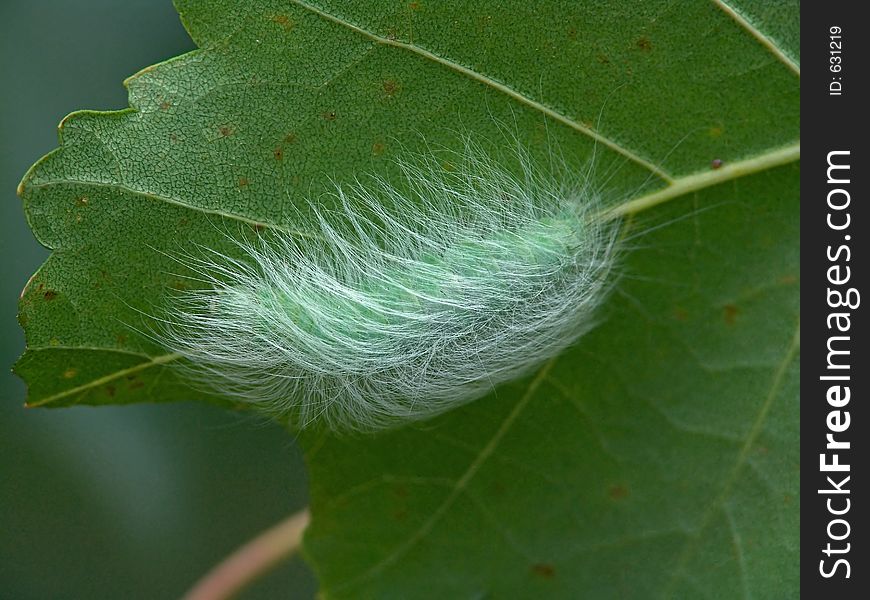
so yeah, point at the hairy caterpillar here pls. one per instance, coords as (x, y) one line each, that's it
(408, 302)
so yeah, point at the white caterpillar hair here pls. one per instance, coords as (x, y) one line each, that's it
(406, 300)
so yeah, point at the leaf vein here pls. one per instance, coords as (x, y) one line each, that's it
(175, 201)
(742, 459)
(94, 383)
(496, 85)
(461, 484)
(698, 181)
(768, 43)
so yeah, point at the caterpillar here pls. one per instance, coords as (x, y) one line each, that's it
(403, 301)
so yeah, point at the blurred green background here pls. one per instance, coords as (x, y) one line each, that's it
(120, 502)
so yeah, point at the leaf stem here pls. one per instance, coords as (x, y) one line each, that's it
(252, 560)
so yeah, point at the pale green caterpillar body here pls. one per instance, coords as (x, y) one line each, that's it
(404, 301)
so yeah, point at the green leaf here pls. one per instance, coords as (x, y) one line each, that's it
(657, 458)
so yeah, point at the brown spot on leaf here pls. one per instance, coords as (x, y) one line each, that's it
(729, 313)
(391, 87)
(329, 115)
(544, 570)
(680, 313)
(414, 5)
(49, 295)
(644, 44)
(82, 201)
(286, 23)
(603, 59)
(121, 339)
(378, 148)
(290, 138)
(138, 383)
(715, 132)
(110, 391)
(787, 279)
(572, 33)
(243, 182)
(70, 373)
(716, 163)
(165, 105)
(401, 491)
(278, 153)
(225, 130)
(617, 492)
